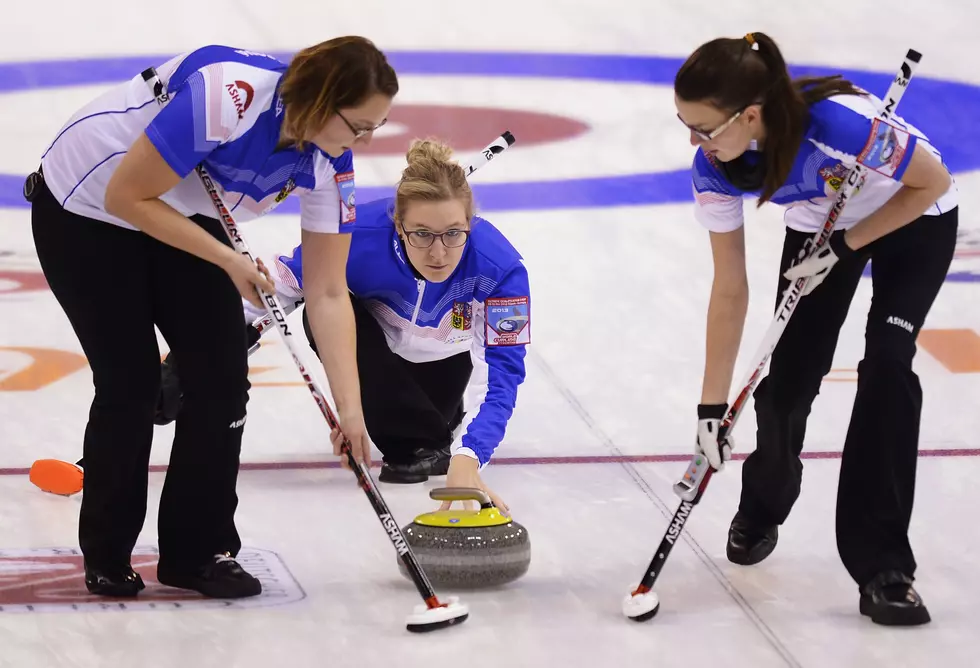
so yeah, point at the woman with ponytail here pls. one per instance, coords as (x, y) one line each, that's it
(791, 142)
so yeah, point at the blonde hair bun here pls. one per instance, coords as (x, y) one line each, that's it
(423, 150)
(432, 176)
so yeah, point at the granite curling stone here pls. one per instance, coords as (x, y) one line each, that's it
(468, 549)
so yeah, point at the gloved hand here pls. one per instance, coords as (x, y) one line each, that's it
(709, 424)
(818, 265)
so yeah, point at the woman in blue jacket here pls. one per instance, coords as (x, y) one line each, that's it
(442, 310)
(442, 306)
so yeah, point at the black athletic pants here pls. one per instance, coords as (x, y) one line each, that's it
(114, 285)
(407, 405)
(877, 472)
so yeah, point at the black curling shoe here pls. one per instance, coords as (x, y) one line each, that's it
(118, 582)
(748, 543)
(222, 578)
(890, 600)
(424, 463)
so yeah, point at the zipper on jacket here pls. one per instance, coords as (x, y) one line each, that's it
(418, 304)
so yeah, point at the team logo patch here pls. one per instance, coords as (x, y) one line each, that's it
(462, 317)
(345, 183)
(236, 90)
(53, 580)
(508, 321)
(885, 149)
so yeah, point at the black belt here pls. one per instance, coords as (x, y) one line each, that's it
(32, 186)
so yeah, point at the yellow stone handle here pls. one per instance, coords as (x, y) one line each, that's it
(461, 494)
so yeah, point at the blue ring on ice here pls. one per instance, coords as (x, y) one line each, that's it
(940, 107)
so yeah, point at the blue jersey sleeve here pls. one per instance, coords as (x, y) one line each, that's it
(498, 359)
(717, 203)
(200, 116)
(850, 131)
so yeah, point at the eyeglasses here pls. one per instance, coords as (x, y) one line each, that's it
(708, 136)
(360, 133)
(424, 238)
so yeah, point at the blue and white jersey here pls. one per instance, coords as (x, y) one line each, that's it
(484, 308)
(840, 130)
(225, 112)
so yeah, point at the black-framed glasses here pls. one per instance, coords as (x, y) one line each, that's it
(360, 133)
(449, 238)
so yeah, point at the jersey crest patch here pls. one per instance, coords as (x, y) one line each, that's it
(286, 189)
(462, 317)
(834, 174)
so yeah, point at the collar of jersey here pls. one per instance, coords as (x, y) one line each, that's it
(401, 254)
(276, 126)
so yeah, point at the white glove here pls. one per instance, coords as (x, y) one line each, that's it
(816, 266)
(709, 424)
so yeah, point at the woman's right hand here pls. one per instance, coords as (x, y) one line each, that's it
(710, 443)
(352, 428)
(465, 472)
(247, 276)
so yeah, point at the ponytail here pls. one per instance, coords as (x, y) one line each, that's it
(784, 114)
(734, 73)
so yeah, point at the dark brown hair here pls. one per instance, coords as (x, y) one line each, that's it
(336, 74)
(730, 75)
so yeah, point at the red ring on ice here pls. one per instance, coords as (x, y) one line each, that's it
(469, 128)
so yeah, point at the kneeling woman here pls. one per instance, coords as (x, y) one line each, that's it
(442, 306)
(442, 310)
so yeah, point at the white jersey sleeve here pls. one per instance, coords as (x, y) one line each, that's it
(329, 207)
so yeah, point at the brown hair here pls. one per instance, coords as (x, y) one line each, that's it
(730, 75)
(336, 74)
(432, 176)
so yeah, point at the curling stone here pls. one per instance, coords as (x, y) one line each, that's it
(468, 549)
